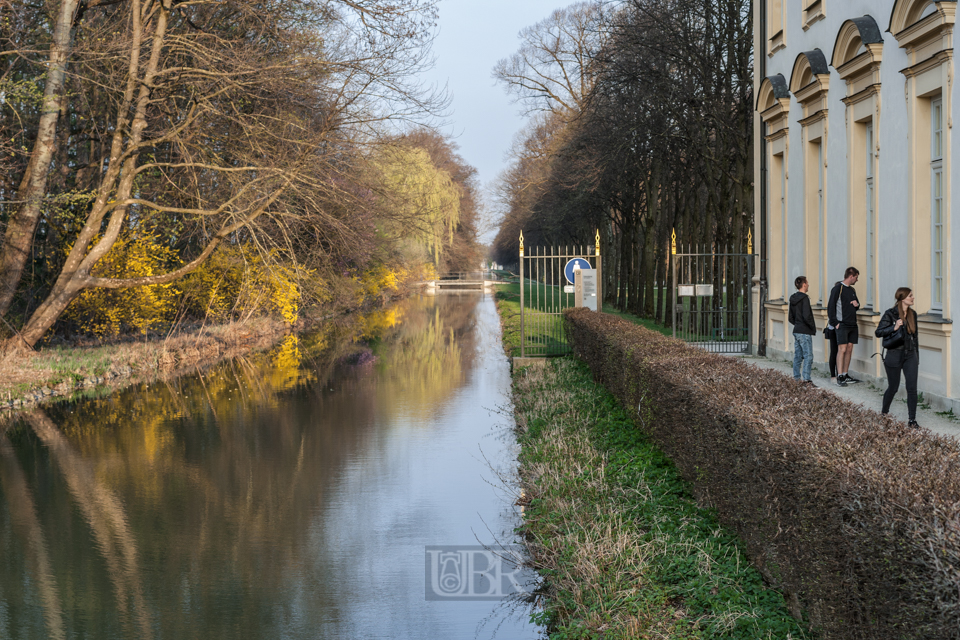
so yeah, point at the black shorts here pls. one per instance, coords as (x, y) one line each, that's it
(847, 334)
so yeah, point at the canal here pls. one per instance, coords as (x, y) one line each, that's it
(297, 493)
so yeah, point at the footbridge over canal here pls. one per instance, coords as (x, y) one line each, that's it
(463, 280)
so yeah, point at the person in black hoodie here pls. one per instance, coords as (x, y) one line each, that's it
(903, 357)
(842, 313)
(804, 328)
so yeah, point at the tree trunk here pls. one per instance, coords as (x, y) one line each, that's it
(20, 230)
(115, 188)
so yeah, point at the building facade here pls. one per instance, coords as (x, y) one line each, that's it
(854, 167)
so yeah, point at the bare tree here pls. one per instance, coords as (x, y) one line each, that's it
(219, 120)
(552, 68)
(18, 236)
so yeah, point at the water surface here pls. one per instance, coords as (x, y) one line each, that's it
(286, 495)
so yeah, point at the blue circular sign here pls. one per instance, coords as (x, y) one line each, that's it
(573, 265)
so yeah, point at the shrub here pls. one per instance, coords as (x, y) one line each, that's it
(853, 516)
(110, 311)
(237, 283)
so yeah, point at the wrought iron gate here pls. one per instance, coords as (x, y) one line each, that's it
(711, 300)
(544, 294)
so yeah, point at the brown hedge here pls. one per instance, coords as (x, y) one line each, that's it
(853, 516)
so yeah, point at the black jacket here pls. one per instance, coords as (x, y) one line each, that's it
(801, 315)
(842, 296)
(887, 323)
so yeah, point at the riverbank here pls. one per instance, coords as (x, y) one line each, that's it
(624, 549)
(29, 377)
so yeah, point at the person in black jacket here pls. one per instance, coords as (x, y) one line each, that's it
(906, 356)
(804, 328)
(842, 313)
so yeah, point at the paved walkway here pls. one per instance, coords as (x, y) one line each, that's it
(869, 396)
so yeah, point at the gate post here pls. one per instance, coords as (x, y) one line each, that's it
(596, 251)
(522, 336)
(673, 260)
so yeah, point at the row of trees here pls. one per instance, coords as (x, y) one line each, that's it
(640, 124)
(216, 146)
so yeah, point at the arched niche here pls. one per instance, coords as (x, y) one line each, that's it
(923, 27)
(810, 81)
(857, 53)
(907, 13)
(773, 102)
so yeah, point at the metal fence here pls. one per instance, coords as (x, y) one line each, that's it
(545, 293)
(711, 300)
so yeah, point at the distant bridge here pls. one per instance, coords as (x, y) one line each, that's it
(463, 280)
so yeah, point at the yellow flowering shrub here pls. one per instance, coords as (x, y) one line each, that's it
(379, 282)
(110, 311)
(238, 283)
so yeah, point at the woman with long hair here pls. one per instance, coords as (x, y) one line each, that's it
(899, 325)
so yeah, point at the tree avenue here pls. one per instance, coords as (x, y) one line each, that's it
(645, 130)
(143, 137)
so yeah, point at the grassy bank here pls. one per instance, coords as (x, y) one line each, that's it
(624, 549)
(27, 377)
(508, 304)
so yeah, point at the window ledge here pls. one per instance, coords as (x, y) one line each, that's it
(867, 313)
(776, 43)
(933, 318)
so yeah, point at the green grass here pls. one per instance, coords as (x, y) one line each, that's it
(623, 548)
(543, 332)
(649, 323)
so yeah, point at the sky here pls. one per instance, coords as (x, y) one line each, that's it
(473, 36)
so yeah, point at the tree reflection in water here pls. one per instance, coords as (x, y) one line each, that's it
(185, 509)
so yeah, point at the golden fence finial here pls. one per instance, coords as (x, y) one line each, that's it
(673, 242)
(750, 241)
(596, 247)
(521, 244)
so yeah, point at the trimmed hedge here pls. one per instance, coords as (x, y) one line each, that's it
(852, 515)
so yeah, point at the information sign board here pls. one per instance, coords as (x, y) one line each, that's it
(586, 289)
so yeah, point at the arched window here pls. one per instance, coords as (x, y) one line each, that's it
(924, 28)
(773, 103)
(857, 54)
(907, 14)
(809, 84)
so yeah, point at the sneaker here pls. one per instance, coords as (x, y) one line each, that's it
(840, 382)
(809, 383)
(913, 424)
(850, 379)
